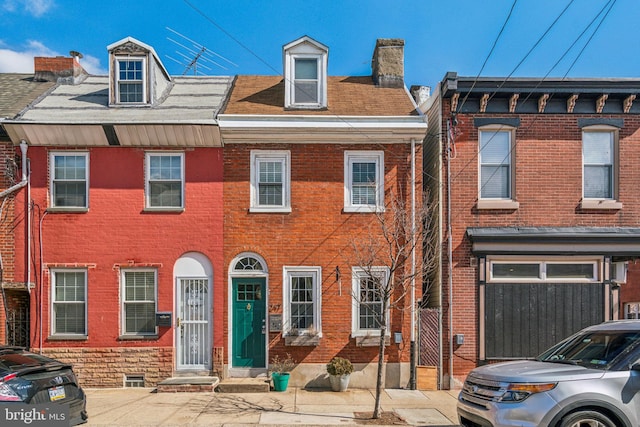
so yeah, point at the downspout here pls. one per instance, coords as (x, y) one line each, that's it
(412, 346)
(449, 255)
(25, 179)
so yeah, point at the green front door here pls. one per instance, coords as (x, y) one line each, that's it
(249, 323)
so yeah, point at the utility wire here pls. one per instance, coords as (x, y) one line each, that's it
(610, 5)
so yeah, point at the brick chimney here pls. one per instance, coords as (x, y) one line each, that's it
(387, 64)
(58, 69)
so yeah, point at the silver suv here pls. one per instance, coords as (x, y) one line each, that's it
(590, 379)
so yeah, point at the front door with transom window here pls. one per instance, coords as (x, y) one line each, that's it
(249, 322)
(193, 324)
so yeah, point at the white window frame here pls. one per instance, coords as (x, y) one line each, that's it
(305, 48)
(358, 273)
(295, 81)
(55, 303)
(290, 272)
(508, 160)
(268, 156)
(53, 180)
(143, 82)
(596, 262)
(351, 157)
(124, 301)
(148, 180)
(613, 164)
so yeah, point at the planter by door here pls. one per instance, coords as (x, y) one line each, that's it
(280, 381)
(339, 382)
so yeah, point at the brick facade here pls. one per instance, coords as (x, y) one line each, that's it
(547, 163)
(113, 234)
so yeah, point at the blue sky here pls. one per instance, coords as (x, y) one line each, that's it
(440, 36)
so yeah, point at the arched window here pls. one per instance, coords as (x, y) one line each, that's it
(248, 264)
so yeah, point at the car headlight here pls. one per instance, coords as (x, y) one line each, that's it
(517, 392)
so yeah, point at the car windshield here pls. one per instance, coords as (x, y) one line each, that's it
(598, 349)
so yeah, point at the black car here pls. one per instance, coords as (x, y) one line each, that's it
(31, 378)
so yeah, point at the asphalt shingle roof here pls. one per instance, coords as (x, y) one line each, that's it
(346, 96)
(17, 91)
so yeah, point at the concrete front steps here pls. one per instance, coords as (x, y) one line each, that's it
(210, 384)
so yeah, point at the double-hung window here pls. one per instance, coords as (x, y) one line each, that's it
(598, 163)
(69, 302)
(139, 296)
(368, 287)
(306, 82)
(302, 300)
(495, 155)
(69, 182)
(364, 181)
(270, 181)
(130, 80)
(165, 180)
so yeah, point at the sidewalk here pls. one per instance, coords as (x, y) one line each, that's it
(145, 407)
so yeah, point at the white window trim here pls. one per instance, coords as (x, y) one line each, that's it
(123, 319)
(356, 274)
(351, 157)
(282, 156)
(597, 263)
(53, 273)
(498, 202)
(321, 60)
(597, 202)
(116, 79)
(316, 273)
(147, 176)
(52, 156)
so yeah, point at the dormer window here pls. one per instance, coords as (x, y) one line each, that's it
(305, 81)
(130, 80)
(305, 74)
(137, 77)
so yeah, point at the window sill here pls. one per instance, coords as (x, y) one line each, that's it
(363, 209)
(302, 340)
(66, 209)
(163, 210)
(498, 204)
(600, 204)
(67, 338)
(257, 209)
(371, 340)
(137, 337)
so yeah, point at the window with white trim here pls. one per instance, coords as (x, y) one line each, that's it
(164, 180)
(139, 300)
(69, 180)
(555, 270)
(598, 156)
(495, 157)
(270, 181)
(130, 80)
(302, 298)
(363, 181)
(69, 302)
(305, 74)
(367, 289)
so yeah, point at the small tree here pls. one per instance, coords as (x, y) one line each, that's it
(403, 240)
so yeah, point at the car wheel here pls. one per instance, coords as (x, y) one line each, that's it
(586, 419)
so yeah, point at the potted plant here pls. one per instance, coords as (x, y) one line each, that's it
(339, 370)
(281, 370)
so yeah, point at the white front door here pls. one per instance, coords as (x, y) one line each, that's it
(193, 343)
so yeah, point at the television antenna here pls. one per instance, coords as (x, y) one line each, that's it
(197, 56)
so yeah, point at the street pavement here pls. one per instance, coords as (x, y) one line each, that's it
(294, 407)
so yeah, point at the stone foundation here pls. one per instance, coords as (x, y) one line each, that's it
(108, 367)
